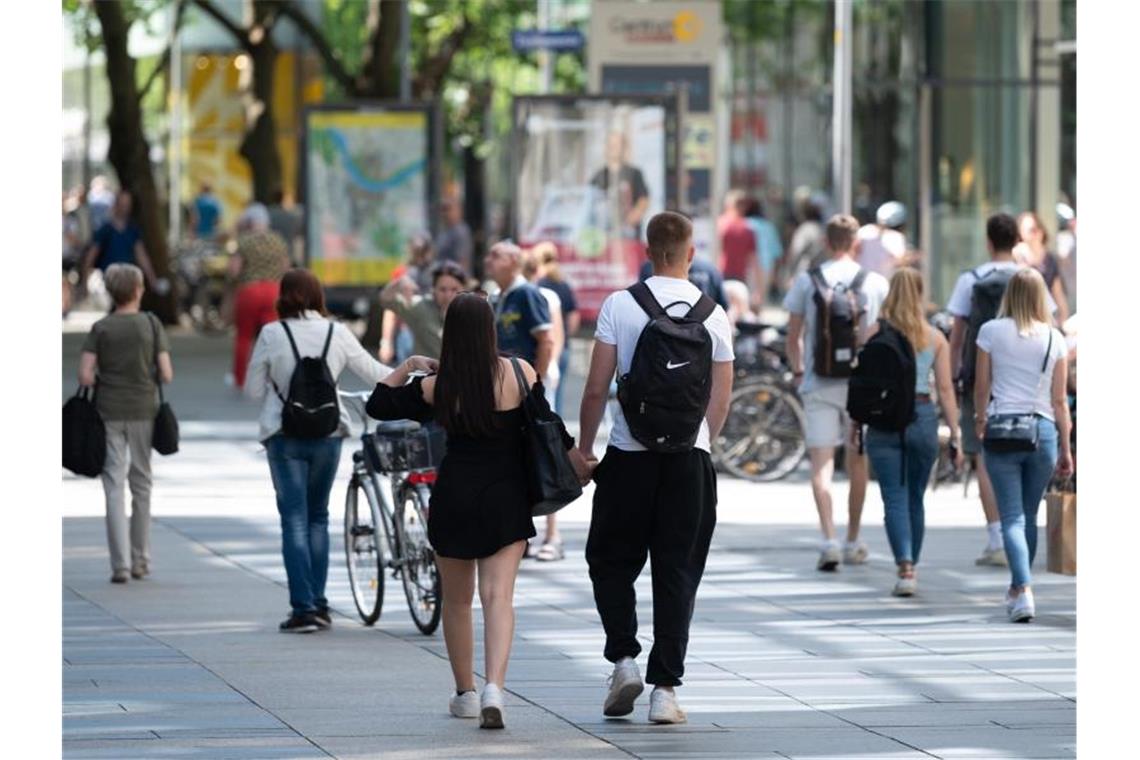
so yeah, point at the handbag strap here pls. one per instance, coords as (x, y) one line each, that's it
(157, 372)
(521, 378)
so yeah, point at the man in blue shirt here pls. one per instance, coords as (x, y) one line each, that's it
(206, 213)
(522, 315)
(118, 241)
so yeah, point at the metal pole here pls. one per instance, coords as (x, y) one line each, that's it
(545, 59)
(174, 152)
(841, 109)
(87, 121)
(405, 52)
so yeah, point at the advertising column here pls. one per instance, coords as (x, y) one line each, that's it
(664, 47)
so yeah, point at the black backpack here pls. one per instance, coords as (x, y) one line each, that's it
(837, 313)
(984, 304)
(311, 409)
(665, 394)
(880, 392)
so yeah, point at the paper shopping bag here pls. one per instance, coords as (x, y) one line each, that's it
(1061, 521)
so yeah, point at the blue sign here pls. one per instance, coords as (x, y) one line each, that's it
(524, 40)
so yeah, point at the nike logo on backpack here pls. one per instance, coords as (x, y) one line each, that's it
(671, 365)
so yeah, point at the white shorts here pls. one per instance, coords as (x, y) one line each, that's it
(825, 408)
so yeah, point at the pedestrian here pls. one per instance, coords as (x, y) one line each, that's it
(424, 314)
(119, 359)
(831, 306)
(286, 222)
(1034, 241)
(550, 276)
(205, 213)
(807, 247)
(455, 243)
(395, 339)
(532, 271)
(769, 249)
(1022, 376)
(739, 251)
(256, 270)
(118, 241)
(480, 513)
(881, 247)
(976, 299)
(649, 502)
(903, 462)
(524, 328)
(303, 468)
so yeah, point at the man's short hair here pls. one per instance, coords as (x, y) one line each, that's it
(1001, 229)
(668, 235)
(509, 249)
(841, 230)
(122, 281)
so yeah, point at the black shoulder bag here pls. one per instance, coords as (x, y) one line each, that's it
(1016, 432)
(165, 436)
(552, 482)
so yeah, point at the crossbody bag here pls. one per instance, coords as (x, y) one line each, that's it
(1016, 432)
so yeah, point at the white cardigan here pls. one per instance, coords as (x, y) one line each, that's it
(273, 360)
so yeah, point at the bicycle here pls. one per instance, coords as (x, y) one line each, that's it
(763, 436)
(388, 534)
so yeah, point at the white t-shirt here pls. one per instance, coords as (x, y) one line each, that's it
(800, 301)
(880, 249)
(620, 323)
(962, 299)
(1019, 385)
(553, 374)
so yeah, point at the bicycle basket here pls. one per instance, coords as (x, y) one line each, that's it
(404, 451)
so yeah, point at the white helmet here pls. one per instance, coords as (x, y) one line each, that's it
(891, 214)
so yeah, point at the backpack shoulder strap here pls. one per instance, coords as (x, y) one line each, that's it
(857, 283)
(646, 300)
(701, 310)
(816, 276)
(293, 343)
(328, 341)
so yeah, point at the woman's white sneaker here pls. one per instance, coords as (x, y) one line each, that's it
(663, 707)
(625, 687)
(905, 586)
(1022, 610)
(465, 705)
(491, 707)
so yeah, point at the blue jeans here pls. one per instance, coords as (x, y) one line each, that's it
(904, 512)
(1020, 479)
(563, 366)
(303, 471)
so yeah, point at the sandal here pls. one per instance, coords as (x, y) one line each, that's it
(551, 552)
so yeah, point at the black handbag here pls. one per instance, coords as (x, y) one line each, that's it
(552, 482)
(84, 435)
(164, 440)
(1016, 432)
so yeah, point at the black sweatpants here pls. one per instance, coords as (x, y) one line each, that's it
(663, 506)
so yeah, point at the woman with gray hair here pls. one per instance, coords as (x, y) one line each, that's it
(262, 257)
(119, 359)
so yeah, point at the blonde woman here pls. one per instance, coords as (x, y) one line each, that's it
(1022, 369)
(903, 493)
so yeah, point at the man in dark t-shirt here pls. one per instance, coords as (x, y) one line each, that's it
(522, 315)
(624, 186)
(118, 241)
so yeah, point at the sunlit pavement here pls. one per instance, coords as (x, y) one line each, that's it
(784, 661)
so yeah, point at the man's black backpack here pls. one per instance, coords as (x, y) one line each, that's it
(880, 392)
(665, 394)
(311, 409)
(985, 301)
(837, 313)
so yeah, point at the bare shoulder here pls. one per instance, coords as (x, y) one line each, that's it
(528, 371)
(427, 388)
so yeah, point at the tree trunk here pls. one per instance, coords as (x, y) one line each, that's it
(259, 145)
(380, 71)
(129, 150)
(474, 206)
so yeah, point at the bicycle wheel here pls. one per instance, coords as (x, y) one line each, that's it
(417, 559)
(763, 436)
(364, 551)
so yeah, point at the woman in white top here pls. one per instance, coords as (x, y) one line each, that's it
(303, 468)
(1022, 369)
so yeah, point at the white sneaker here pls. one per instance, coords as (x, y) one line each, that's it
(828, 558)
(1022, 610)
(465, 705)
(905, 587)
(992, 558)
(855, 553)
(491, 707)
(625, 687)
(663, 707)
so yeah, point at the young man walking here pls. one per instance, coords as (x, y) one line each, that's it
(990, 280)
(817, 303)
(656, 487)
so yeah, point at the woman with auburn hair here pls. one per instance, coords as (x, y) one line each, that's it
(903, 493)
(1022, 371)
(480, 514)
(1034, 239)
(303, 469)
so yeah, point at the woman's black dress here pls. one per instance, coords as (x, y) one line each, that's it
(479, 503)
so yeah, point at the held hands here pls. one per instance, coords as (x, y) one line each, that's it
(583, 463)
(421, 364)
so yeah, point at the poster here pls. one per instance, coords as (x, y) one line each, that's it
(589, 174)
(367, 181)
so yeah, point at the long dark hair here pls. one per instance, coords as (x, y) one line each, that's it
(469, 368)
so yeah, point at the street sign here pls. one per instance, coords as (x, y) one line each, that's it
(524, 40)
